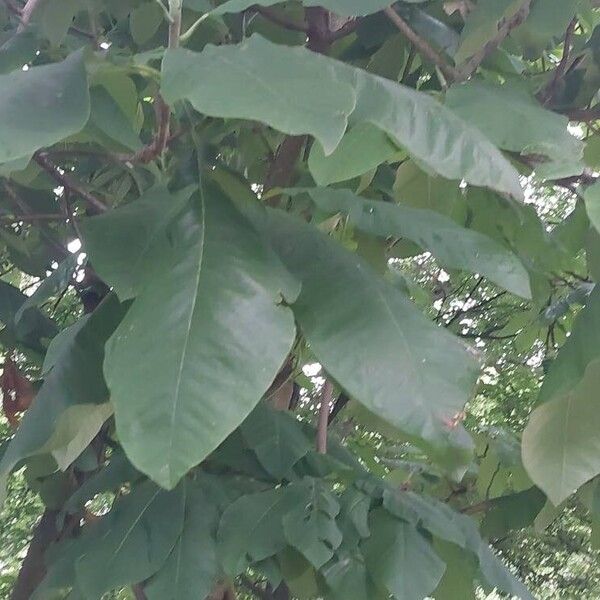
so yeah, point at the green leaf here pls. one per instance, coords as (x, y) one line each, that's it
(400, 559)
(125, 244)
(251, 528)
(347, 579)
(33, 329)
(74, 380)
(513, 120)
(561, 443)
(362, 148)
(53, 285)
(55, 17)
(514, 511)
(452, 245)
(229, 81)
(482, 25)
(276, 438)
(402, 368)
(191, 569)
(58, 105)
(344, 8)
(461, 570)
(310, 526)
(591, 196)
(144, 22)
(132, 541)
(212, 298)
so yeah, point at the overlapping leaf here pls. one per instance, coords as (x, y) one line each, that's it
(230, 81)
(210, 333)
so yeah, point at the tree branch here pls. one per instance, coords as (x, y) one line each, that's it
(422, 45)
(326, 394)
(548, 92)
(27, 13)
(472, 64)
(41, 158)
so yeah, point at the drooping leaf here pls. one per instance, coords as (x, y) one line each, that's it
(212, 300)
(561, 443)
(251, 529)
(514, 120)
(55, 17)
(452, 245)
(399, 558)
(192, 568)
(310, 526)
(276, 438)
(361, 149)
(57, 106)
(403, 368)
(75, 379)
(415, 121)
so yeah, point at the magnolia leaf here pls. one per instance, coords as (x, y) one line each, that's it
(452, 245)
(395, 550)
(58, 105)
(123, 244)
(403, 368)
(192, 564)
(361, 149)
(212, 298)
(514, 120)
(132, 541)
(276, 438)
(591, 196)
(561, 443)
(229, 81)
(75, 379)
(251, 528)
(310, 526)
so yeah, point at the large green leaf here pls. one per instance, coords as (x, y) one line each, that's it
(310, 526)
(276, 438)
(400, 558)
(251, 529)
(192, 568)
(403, 368)
(561, 443)
(57, 105)
(123, 244)
(513, 120)
(452, 245)
(75, 379)
(230, 81)
(212, 333)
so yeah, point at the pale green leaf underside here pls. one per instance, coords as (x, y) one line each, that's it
(561, 443)
(453, 245)
(210, 338)
(231, 81)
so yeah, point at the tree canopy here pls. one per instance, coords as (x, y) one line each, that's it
(298, 299)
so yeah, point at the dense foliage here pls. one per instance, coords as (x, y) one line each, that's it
(299, 299)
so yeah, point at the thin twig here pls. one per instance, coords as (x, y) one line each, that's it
(41, 158)
(422, 45)
(27, 13)
(548, 92)
(472, 64)
(326, 394)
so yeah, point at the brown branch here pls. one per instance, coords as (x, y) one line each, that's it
(506, 26)
(27, 13)
(548, 92)
(326, 394)
(281, 172)
(422, 45)
(584, 115)
(346, 29)
(41, 158)
(138, 591)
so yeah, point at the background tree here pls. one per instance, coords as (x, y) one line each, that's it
(299, 299)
